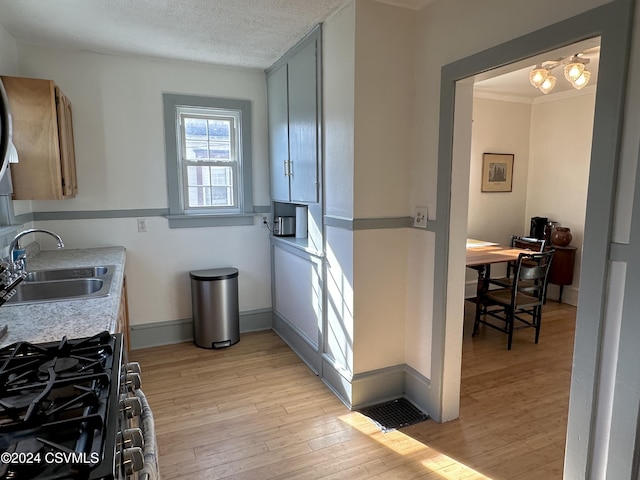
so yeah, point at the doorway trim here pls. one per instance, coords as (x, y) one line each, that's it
(612, 22)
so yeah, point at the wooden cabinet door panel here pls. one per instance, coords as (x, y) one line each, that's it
(69, 184)
(43, 136)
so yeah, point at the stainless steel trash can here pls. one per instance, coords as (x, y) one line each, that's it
(216, 316)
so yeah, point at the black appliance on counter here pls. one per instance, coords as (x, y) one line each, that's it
(542, 228)
(538, 227)
(71, 410)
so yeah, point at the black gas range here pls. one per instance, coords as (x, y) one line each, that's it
(73, 410)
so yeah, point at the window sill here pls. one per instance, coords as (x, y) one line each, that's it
(197, 221)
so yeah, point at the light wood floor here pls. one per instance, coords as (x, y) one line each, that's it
(255, 411)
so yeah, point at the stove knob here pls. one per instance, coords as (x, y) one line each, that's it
(132, 381)
(133, 367)
(132, 437)
(131, 407)
(132, 460)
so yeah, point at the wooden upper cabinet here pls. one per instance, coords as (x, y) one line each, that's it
(43, 137)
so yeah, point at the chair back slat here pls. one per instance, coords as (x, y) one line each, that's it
(528, 243)
(531, 273)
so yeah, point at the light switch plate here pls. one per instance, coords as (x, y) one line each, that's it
(421, 215)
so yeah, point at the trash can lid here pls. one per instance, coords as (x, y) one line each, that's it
(214, 274)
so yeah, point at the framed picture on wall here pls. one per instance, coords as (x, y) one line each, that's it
(497, 172)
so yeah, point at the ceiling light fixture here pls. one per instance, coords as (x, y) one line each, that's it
(582, 80)
(548, 84)
(538, 75)
(574, 71)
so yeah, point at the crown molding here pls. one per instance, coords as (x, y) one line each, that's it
(551, 97)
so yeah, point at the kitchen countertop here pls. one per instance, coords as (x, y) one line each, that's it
(50, 321)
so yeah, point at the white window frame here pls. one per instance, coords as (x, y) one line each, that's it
(180, 214)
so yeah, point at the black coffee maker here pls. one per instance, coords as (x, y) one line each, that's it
(542, 228)
(539, 228)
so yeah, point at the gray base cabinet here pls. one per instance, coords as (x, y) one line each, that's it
(298, 292)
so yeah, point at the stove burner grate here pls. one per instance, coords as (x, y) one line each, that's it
(60, 397)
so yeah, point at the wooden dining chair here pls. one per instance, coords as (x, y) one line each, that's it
(519, 305)
(526, 243)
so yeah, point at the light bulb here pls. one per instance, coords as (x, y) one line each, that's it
(582, 80)
(538, 76)
(548, 84)
(573, 71)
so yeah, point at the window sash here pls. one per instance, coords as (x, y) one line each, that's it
(208, 151)
(202, 183)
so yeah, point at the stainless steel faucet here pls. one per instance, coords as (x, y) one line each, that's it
(14, 244)
(12, 272)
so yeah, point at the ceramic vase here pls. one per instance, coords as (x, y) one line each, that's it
(561, 236)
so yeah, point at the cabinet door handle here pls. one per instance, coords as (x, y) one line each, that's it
(288, 171)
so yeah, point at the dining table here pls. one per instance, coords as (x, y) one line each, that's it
(481, 255)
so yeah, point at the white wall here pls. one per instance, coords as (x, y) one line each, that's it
(338, 69)
(380, 298)
(118, 127)
(384, 97)
(498, 127)
(368, 92)
(338, 57)
(382, 147)
(561, 134)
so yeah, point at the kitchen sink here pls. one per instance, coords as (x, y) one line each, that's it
(63, 284)
(69, 273)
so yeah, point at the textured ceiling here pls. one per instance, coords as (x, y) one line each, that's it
(244, 33)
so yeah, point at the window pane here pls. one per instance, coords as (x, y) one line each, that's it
(198, 176)
(221, 176)
(220, 139)
(221, 196)
(199, 197)
(210, 186)
(208, 138)
(195, 138)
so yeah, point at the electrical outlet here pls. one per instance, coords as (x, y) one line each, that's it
(142, 225)
(265, 221)
(421, 215)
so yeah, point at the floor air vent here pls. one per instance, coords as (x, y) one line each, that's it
(395, 414)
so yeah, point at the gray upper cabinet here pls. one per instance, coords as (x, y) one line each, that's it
(278, 133)
(292, 89)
